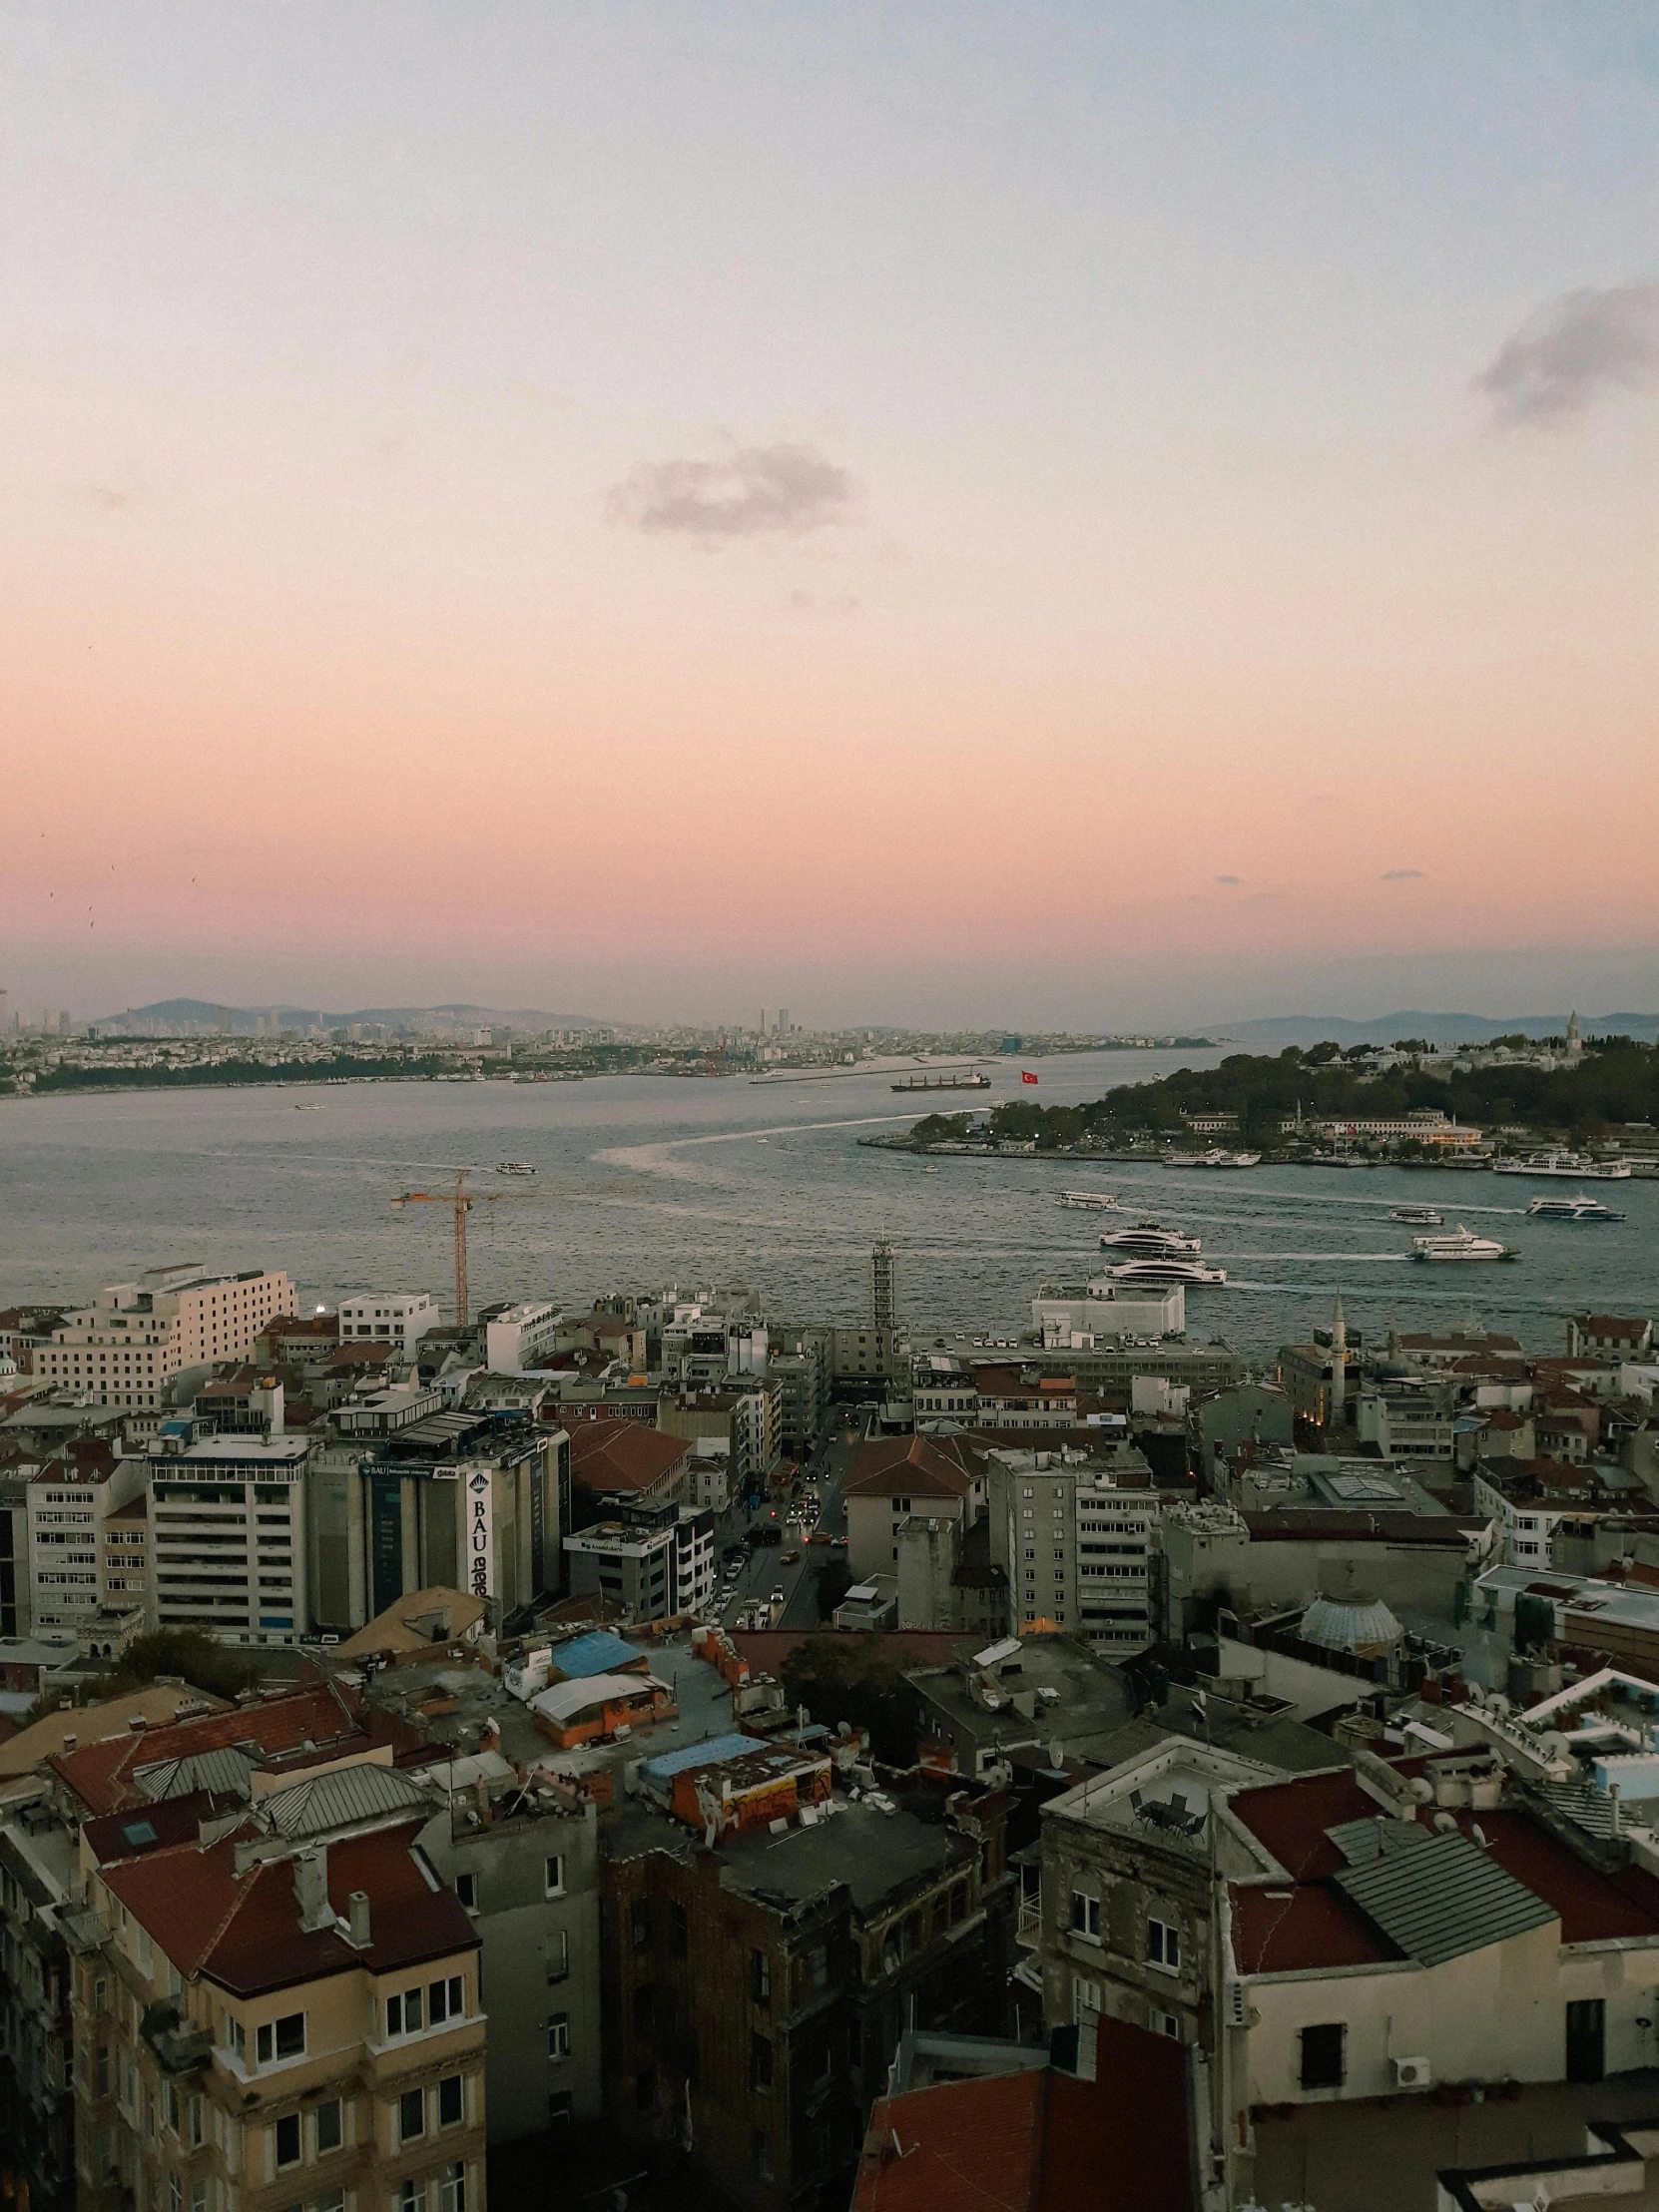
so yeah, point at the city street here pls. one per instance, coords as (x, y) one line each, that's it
(764, 1570)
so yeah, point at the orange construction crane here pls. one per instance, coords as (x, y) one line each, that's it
(461, 1199)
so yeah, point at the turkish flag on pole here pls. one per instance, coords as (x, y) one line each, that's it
(1026, 1076)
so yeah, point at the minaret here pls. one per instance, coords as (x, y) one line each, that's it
(1575, 1041)
(1338, 1366)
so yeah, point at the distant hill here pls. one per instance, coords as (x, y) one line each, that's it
(172, 1013)
(1307, 1029)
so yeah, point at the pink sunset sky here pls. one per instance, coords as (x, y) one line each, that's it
(1081, 514)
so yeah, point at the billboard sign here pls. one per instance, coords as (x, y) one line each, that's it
(481, 1532)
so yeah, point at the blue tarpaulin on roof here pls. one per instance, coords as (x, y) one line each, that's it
(599, 1653)
(714, 1753)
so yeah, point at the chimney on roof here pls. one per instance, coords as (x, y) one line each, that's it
(356, 1928)
(311, 1887)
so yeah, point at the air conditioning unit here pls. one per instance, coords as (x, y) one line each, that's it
(1412, 2073)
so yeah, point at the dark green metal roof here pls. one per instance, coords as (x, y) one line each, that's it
(1358, 1841)
(1442, 1898)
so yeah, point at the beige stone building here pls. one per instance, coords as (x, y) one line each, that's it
(126, 1347)
(274, 1999)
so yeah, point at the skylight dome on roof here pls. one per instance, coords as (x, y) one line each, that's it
(1358, 1624)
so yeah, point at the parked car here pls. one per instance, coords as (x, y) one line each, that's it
(788, 1558)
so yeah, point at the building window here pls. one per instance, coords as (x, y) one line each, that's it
(1323, 2056)
(558, 2035)
(760, 1978)
(286, 2134)
(763, 2155)
(1163, 2024)
(1085, 1916)
(639, 1922)
(560, 2108)
(556, 1951)
(1163, 1946)
(1085, 1997)
(411, 2115)
(466, 1889)
(404, 2013)
(413, 2196)
(451, 2101)
(329, 2134)
(279, 2039)
(679, 1930)
(446, 1999)
(760, 2063)
(555, 1883)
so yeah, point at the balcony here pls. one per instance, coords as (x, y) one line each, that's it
(179, 2049)
(1028, 1929)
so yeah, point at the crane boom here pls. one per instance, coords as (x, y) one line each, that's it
(461, 1199)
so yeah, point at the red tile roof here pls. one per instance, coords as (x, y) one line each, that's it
(242, 1930)
(1297, 1929)
(1287, 1928)
(100, 1775)
(81, 1460)
(147, 1827)
(918, 1466)
(622, 1455)
(1039, 2140)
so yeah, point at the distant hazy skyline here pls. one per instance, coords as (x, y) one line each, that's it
(1060, 514)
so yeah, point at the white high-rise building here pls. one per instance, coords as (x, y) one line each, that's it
(228, 1547)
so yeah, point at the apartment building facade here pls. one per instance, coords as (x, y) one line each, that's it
(71, 1504)
(1078, 1542)
(400, 1318)
(258, 2028)
(227, 1535)
(525, 1870)
(37, 2097)
(762, 1987)
(125, 1349)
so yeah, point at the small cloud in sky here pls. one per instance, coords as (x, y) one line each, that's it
(754, 491)
(801, 602)
(1572, 350)
(1403, 876)
(1228, 878)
